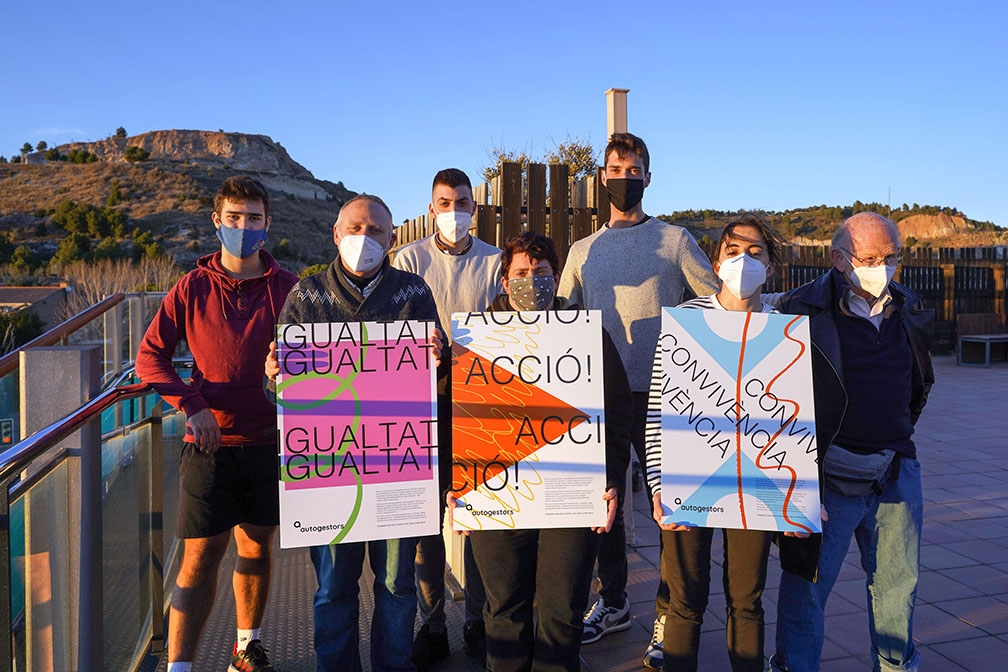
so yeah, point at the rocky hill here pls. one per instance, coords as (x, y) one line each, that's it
(170, 192)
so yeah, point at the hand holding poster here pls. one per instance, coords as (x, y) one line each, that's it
(358, 432)
(528, 426)
(738, 423)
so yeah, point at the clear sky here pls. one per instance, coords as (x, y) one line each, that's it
(756, 105)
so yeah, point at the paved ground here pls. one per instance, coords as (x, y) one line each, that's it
(962, 609)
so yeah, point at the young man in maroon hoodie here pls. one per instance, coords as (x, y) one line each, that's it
(226, 311)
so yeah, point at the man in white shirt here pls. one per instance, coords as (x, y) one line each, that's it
(463, 273)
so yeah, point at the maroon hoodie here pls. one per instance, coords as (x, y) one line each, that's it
(228, 325)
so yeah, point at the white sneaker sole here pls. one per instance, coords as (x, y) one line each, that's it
(611, 629)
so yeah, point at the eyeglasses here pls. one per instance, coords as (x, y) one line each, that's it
(894, 259)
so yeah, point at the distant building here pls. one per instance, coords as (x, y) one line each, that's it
(44, 302)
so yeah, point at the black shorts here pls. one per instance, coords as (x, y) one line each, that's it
(217, 491)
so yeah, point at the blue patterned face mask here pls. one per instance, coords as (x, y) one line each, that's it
(533, 292)
(242, 243)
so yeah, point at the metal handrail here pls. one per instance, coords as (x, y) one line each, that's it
(9, 362)
(12, 463)
(17, 457)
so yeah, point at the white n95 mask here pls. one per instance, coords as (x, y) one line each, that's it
(872, 279)
(453, 225)
(361, 254)
(742, 275)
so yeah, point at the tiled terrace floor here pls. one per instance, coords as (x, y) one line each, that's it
(962, 609)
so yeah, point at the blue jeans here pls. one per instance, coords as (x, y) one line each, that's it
(337, 605)
(887, 528)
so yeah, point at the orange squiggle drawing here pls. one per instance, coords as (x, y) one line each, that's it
(738, 419)
(791, 419)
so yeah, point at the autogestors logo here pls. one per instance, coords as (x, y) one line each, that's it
(317, 528)
(489, 512)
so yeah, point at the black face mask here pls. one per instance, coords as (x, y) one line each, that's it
(625, 193)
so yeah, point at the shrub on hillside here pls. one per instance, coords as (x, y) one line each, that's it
(135, 153)
(80, 156)
(23, 260)
(108, 248)
(75, 247)
(312, 270)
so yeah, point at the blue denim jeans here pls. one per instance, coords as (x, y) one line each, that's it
(337, 605)
(887, 528)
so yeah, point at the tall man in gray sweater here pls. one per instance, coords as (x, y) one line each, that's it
(629, 269)
(464, 274)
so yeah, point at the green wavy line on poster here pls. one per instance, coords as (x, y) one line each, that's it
(345, 384)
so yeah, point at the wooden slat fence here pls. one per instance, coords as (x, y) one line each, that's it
(952, 281)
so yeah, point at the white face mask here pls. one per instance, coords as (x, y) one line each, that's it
(872, 279)
(361, 254)
(742, 275)
(453, 225)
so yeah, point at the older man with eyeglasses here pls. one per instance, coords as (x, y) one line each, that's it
(871, 376)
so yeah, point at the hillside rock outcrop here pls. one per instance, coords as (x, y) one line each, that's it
(238, 151)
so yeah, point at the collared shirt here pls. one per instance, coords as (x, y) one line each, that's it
(447, 250)
(364, 291)
(873, 312)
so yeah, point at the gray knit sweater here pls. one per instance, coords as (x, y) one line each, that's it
(460, 283)
(629, 274)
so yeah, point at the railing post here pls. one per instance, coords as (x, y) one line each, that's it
(151, 506)
(54, 383)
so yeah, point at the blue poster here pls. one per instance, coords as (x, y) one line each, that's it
(738, 422)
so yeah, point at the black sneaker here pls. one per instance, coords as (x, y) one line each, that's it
(252, 659)
(428, 648)
(474, 634)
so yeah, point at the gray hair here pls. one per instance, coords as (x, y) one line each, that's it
(842, 237)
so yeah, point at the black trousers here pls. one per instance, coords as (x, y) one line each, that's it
(519, 565)
(686, 567)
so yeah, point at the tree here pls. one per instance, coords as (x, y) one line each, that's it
(579, 155)
(52, 155)
(108, 248)
(75, 247)
(23, 260)
(94, 281)
(114, 194)
(26, 148)
(499, 155)
(135, 153)
(17, 327)
(6, 247)
(42, 145)
(120, 132)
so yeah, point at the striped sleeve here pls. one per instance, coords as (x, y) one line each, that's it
(652, 430)
(701, 302)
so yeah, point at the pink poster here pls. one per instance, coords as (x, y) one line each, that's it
(358, 432)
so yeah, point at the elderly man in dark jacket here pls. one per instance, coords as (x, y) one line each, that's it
(871, 375)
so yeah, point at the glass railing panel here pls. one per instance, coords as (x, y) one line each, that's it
(125, 588)
(43, 568)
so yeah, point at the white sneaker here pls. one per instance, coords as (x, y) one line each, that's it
(654, 657)
(602, 619)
